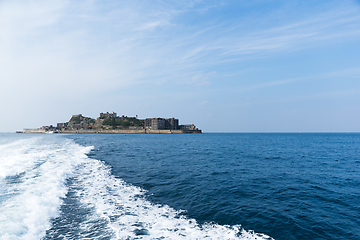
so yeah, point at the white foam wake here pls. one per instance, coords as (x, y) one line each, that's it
(33, 177)
(33, 173)
(128, 215)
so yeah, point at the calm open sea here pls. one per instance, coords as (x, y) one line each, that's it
(201, 186)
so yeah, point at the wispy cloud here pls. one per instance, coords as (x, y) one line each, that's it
(201, 79)
(331, 94)
(296, 35)
(130, 42)
(270, 84)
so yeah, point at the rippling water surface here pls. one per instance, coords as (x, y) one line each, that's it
(202, 186)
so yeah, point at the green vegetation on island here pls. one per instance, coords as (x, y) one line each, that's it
(123, 122)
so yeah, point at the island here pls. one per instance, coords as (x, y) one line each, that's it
(112, 123)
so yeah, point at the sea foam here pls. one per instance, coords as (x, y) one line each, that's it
(128, 215)
(35, 182)
(33, 173)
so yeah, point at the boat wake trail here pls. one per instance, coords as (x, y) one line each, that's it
(33, 174)
(50, 189)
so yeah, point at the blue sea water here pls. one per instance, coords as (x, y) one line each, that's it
(201, 186)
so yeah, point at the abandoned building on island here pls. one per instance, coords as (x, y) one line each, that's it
(112, 123)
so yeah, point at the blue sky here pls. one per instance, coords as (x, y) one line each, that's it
(226, 66)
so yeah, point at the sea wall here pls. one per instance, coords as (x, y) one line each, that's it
(33, 130)
(129, 131)
(101, 131)
(114, 131)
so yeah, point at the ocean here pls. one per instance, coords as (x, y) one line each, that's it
(186, 186)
